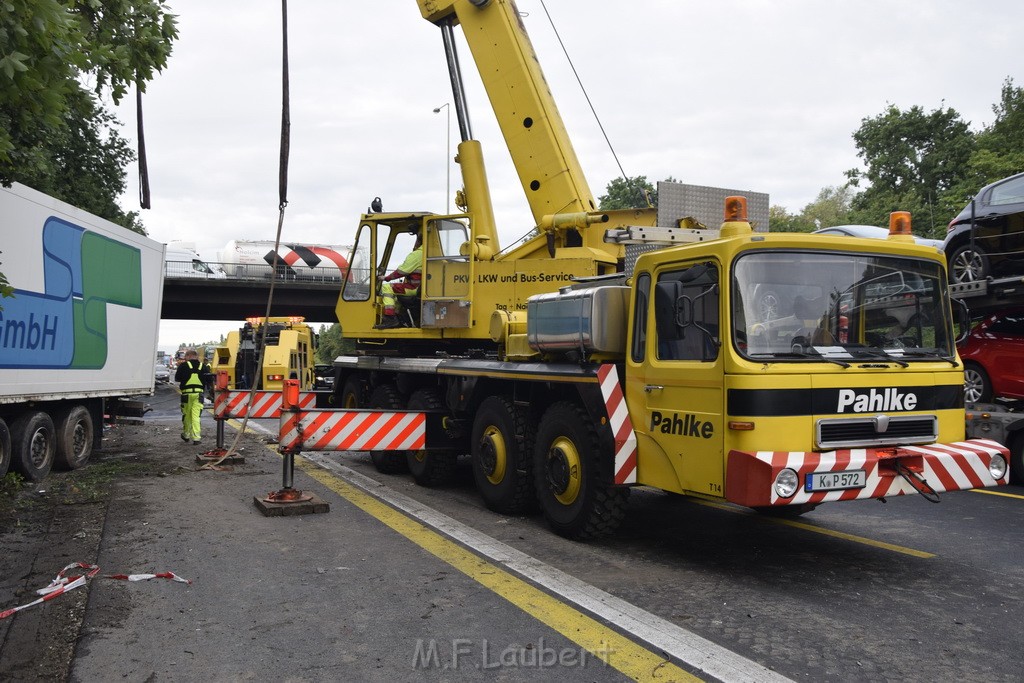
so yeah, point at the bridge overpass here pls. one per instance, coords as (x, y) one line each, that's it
(191, 296)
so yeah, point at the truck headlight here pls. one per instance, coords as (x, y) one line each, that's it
(786, 483)
(997, 467)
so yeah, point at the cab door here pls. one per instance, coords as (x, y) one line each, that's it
(675, 372)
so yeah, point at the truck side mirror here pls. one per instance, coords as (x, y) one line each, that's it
(962, 317)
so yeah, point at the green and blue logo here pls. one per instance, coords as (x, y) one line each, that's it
(65, 326)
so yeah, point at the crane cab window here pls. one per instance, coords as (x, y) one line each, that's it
(686, 313)
(450, 236)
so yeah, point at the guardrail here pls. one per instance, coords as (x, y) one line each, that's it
(212, 270)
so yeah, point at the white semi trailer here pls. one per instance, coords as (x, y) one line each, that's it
(78, 335)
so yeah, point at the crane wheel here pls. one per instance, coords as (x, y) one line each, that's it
(502, 451)
(353, 393)
(386, 396)
(429, 468)
(573, 476)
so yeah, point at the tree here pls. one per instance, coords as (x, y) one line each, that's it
(912, 160)
(781, 220)
(830, 207)
(54, 132)
(332, 344)
(1000, 147)
(627, 193)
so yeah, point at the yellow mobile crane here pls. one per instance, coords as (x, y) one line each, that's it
(774, 371)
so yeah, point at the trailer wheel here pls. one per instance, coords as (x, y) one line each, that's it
(75, 431)
(572, 478)
(429, 468)
(5, 448)
(32, 444)
(502, 455)
(386, 396)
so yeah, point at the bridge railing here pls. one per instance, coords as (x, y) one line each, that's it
(213, 270)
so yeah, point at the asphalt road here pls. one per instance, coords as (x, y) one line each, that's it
(860, 591)
(907, 590)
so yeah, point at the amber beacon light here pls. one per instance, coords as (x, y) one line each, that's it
(735, 208)
(899, 223)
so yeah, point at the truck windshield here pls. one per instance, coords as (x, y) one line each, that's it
(791, 306)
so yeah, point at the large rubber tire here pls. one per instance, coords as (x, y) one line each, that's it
(33, 443)
(502, 456)
(572, 479)
(353, 393)
(977, 385)
(5, 448)
(75, 431)
(429, 468)
(968, 265)
(386, 396)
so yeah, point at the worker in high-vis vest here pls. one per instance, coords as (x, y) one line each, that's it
(192, 377)
(410, 271)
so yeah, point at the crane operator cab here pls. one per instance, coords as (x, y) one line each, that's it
(419, 270)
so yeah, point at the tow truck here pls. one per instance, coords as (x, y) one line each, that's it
(288, 346)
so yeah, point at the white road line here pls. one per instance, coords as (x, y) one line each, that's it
(676, 642)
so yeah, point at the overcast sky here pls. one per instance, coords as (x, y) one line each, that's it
(748, 94)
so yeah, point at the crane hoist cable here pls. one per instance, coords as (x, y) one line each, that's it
(586, 95)
(282, 188)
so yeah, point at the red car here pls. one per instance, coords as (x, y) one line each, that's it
(993, 355)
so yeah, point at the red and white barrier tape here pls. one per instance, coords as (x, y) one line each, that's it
(63, 583)
(146, 577)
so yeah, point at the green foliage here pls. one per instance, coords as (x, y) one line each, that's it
(333, 344)
(87, 163)
(781, 220)
(831, 207)
(54, 133)
(912, 159)
(627, 193)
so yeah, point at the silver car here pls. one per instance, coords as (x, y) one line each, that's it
(873, 232)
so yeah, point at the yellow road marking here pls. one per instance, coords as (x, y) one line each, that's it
(998, 493)
(604, 643)
(820, 530)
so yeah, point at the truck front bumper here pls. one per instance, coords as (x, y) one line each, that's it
(752, 478)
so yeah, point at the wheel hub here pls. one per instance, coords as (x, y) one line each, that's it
(564, 473)
(493, 456)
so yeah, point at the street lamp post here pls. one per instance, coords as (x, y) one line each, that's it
(447, 156)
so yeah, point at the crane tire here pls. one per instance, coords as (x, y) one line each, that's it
(387, 397)
(429, 468)
(502, 455)
(572, 478)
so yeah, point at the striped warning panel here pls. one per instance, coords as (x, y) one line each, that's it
(945, 467)
(622, 427)
(353, 430)
(265, 404)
